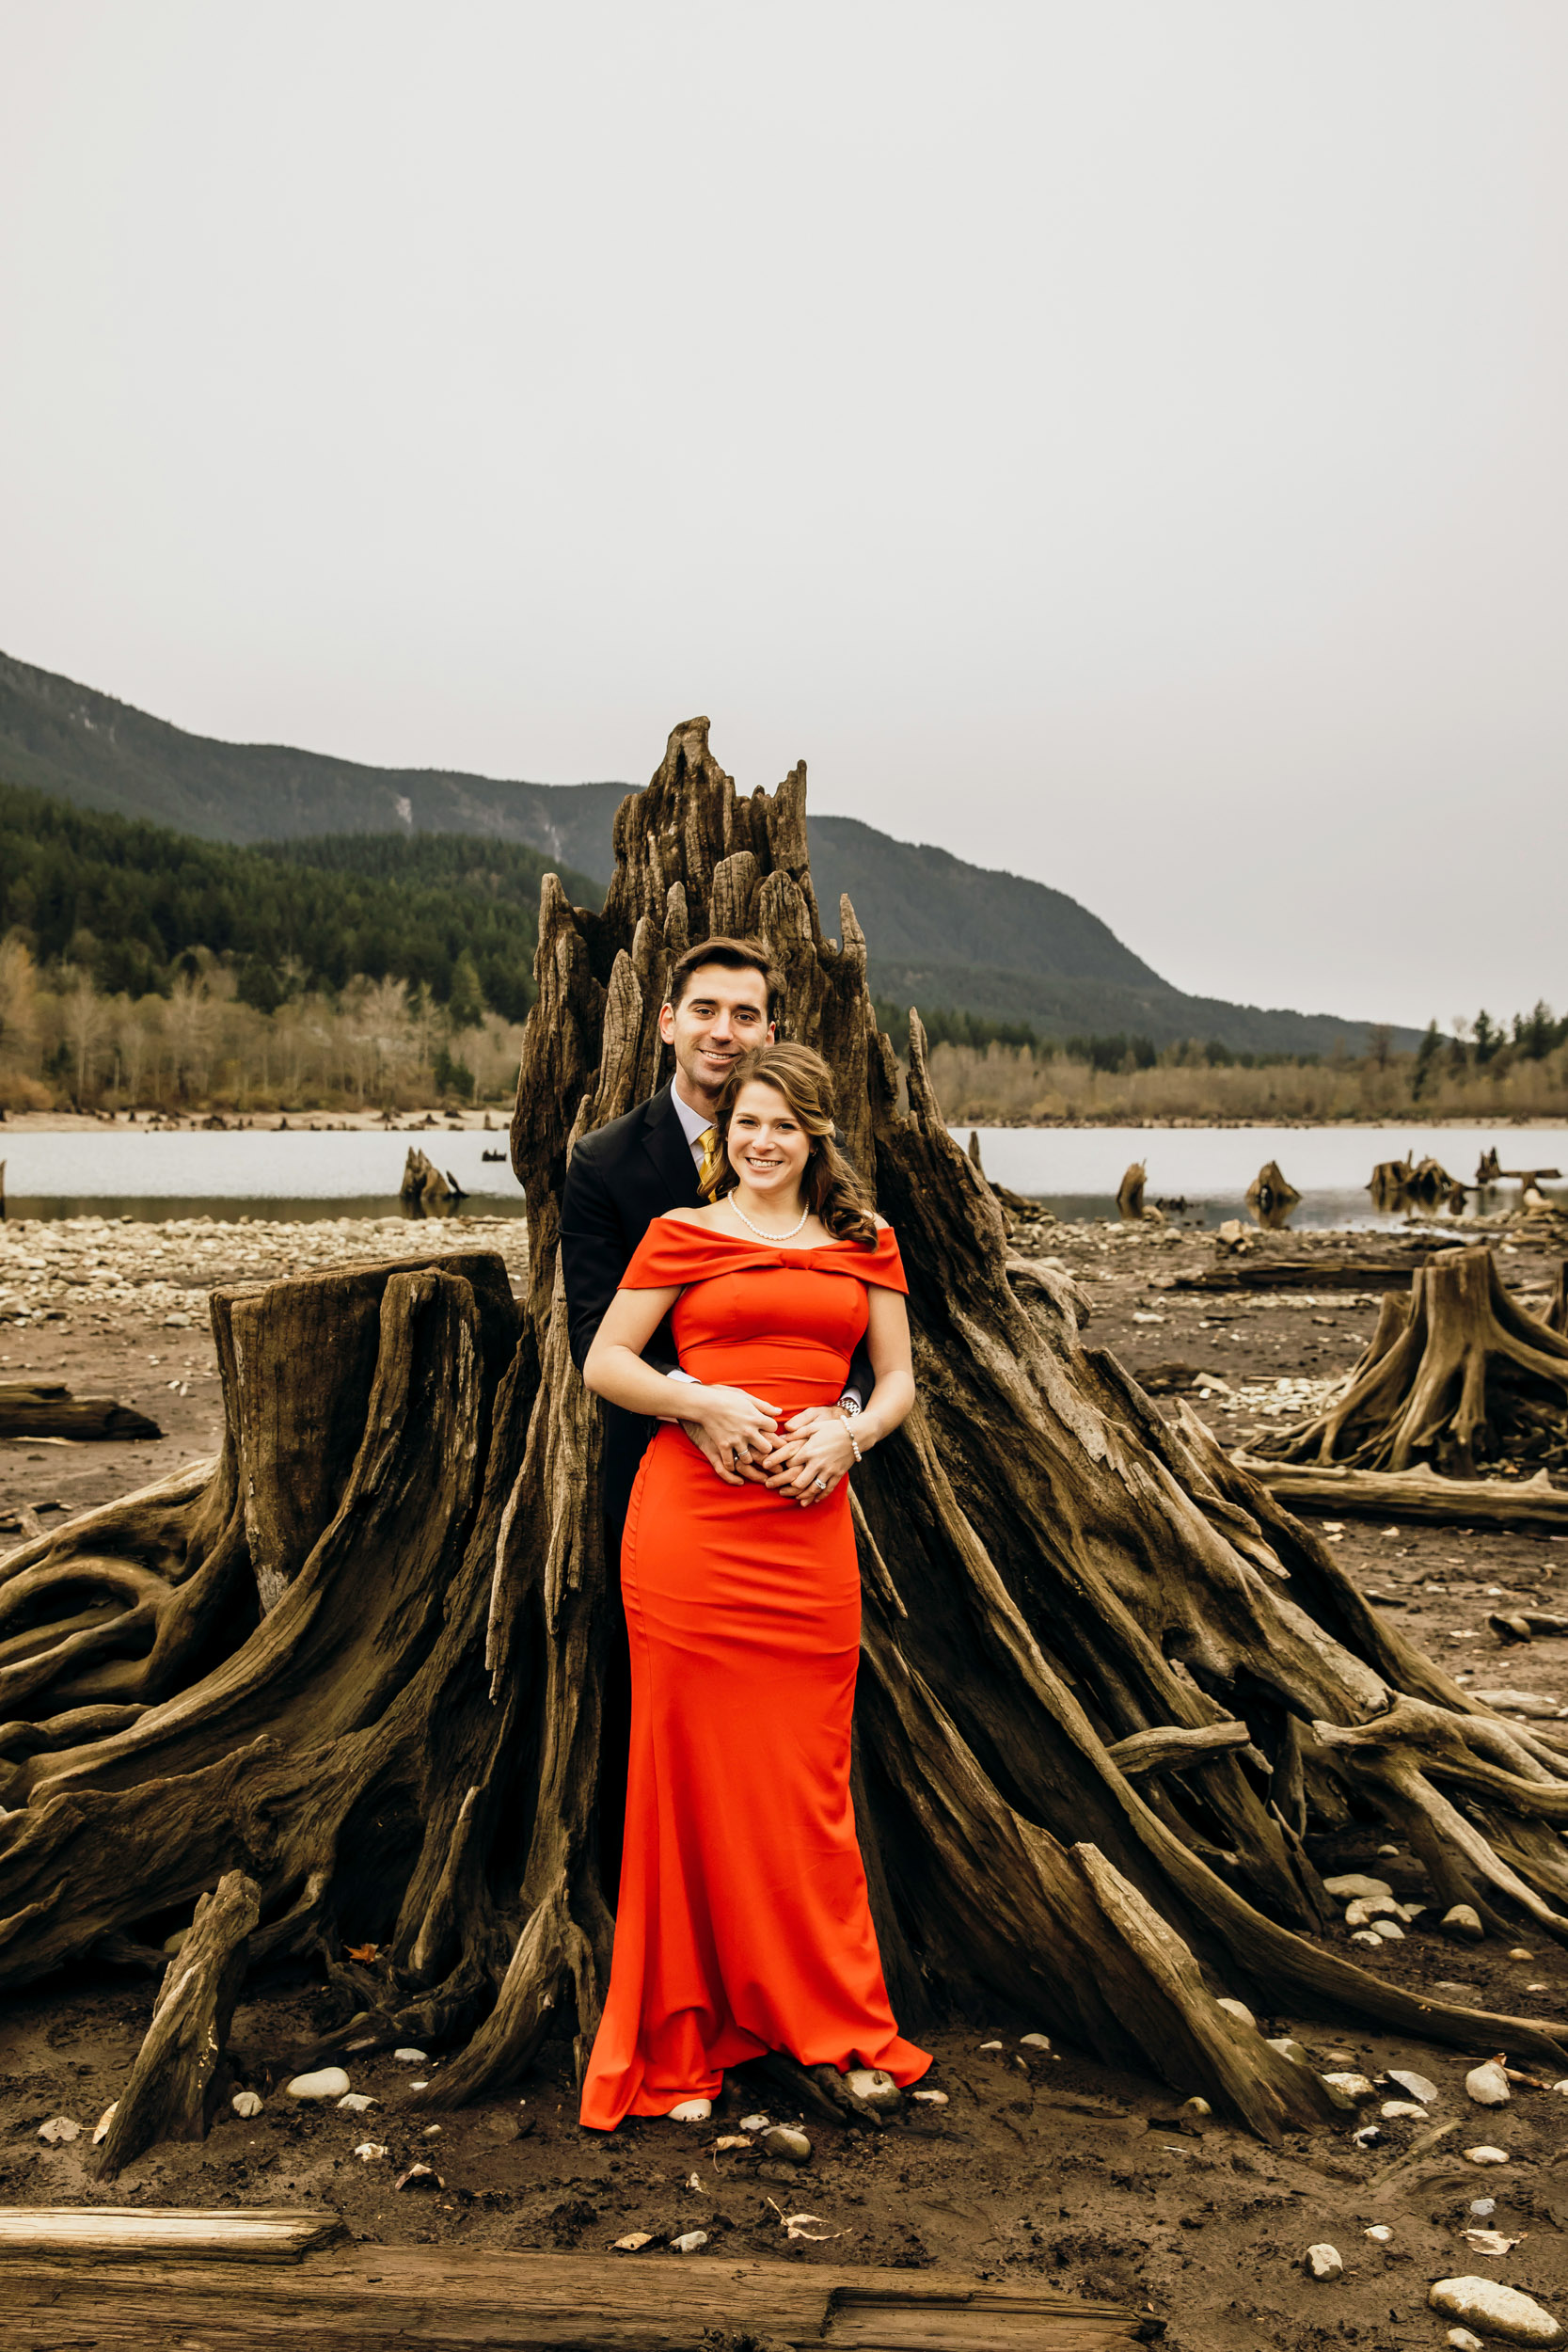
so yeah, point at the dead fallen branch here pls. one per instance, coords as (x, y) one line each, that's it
(1528, 1505)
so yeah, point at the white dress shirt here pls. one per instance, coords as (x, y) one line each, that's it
(695, 1124)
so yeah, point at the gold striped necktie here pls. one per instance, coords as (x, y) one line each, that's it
(709, 1141)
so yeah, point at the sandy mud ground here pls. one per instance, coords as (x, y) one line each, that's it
(1040, 2166)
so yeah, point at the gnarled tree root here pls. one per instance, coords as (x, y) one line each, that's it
(176, 2077)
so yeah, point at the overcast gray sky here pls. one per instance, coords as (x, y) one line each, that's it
(1122, 440)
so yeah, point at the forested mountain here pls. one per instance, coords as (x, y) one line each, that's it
(128, 901)
(942, 932)
(84, 746)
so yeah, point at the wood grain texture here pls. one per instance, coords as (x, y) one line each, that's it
(655, 2302)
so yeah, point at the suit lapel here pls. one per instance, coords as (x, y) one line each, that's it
(665, 1143)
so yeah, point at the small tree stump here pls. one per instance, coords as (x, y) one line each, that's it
(176, 2077)
(1129, 1193)
(1458, 1373)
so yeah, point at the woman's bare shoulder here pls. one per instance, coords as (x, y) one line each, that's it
(703, 1216)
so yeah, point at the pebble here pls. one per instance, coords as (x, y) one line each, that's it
(938, 2098)
(1487, 2084)
(1402, 2111)
(370, 2151)
(1369, 2136)
(1367, 1941)
(101, 2129)
(1357, 2086)
(1485, 2154)
(1325, 2262)
(759, 2123)
(419, 2176)
(875, 2088)
(1288, 2047)
(1367, 1908)
(1562, 2087)
(1034, 2041)
(1419, 2086)
(1353, 1882)
(688, 2241)
(1483, 2207)
(328, 2082)
(1387, 1851)
(1389, 1930)
(1500, 2311)
(1240, 2012)
(784, 2140)
(409, 2057)
(1380, 2233)
(1517, 1951)
(633, 2243)
(1197, 2106)
(1464, 1919)
(1463, 2341)
(60, 2129)
(246, 2104)
(990, 2045)
(353, 2101)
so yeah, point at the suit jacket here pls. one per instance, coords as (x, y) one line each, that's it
(618, 1180)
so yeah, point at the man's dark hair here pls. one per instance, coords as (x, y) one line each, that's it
(736, 955)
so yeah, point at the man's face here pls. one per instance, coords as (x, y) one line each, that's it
(723, 1014)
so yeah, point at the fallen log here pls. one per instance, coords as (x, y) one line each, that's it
(31, 1409)
(179, 2074)
(1524, 1506)
(1305, 1274)
(448, 2299)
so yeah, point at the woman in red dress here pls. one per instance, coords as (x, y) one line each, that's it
(743, 1924)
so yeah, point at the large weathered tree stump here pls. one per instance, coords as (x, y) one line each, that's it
(359, 1658)
(1457, 1375)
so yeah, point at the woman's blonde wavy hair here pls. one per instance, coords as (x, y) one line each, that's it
(830, 1186)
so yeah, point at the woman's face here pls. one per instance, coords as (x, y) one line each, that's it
(768, 1147)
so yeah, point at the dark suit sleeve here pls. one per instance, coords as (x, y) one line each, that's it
(594, 1252)
(862, 1374)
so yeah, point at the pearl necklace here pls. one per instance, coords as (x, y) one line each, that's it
(760, 1231)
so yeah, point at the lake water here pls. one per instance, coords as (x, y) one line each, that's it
(141, 1172)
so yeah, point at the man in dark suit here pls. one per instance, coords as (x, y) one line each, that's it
(722, 996)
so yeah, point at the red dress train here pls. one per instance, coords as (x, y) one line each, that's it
(743, 1924)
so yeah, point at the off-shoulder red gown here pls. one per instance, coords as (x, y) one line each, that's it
(742, 1924)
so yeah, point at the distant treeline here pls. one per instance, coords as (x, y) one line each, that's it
(1480, 1044)
(136, 906)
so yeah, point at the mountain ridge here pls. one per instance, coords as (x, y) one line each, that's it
(940, 931)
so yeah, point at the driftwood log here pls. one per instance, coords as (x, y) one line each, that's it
(1529, 1506)
(358, 1657)
(1304, 1274)
(1457, 1373)
(46, 1408)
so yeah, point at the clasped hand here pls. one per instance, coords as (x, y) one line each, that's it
(739, 1435)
